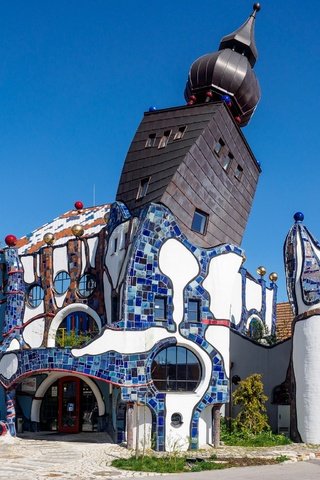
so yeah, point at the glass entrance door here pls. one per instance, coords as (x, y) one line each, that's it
(69, 405)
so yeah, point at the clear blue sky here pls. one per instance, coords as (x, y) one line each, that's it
(77, 75)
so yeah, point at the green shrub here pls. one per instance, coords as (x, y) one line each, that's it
(249, 394)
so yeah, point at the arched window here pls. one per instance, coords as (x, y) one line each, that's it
(77, 329)
(256, 329)
(176, 369)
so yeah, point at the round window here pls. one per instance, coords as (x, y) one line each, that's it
(176, 419)
(35, 296)
(87, 284)
(61, 282)
(176, 369)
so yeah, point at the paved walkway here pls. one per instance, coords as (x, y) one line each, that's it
(88, 457)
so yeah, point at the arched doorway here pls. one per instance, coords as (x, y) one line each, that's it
(69, 405)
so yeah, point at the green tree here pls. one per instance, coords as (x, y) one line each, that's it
(251, 398)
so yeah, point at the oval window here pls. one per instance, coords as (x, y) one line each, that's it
(61, 282)
(35, 296)
(176, 369)
(87, 284)
(176, 419)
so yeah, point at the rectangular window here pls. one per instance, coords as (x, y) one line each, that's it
(199, 222)
(115, 308)
(226, 161)
(219, 146)
(115, 245)
(151, 140)
(159, 308)
(164, 139)
(193, 310)
(143, 187)
(179, 134)
(238, 172)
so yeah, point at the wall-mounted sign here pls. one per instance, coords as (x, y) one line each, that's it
(29, 385)
(54, 391)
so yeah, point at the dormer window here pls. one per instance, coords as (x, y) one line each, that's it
(143, 188)
(151, 140)
(219, 146)
(164, 139)
(180, 133)
(238, 172)
(226, 162)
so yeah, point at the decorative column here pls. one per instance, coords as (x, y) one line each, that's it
(11, 412)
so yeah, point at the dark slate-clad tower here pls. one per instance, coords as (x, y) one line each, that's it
(194, 159)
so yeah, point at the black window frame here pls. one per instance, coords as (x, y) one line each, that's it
(205, 216)
(179, 375)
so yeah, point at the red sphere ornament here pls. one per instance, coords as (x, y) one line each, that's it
(237, 119)
(78, 205)
(11, 240)
(209, 94)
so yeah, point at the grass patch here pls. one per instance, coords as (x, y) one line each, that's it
(176, 463)
(264, 439)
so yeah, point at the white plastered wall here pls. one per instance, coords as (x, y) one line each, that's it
(306, 362)
(205, 427)
(142, 417)
(253, 295)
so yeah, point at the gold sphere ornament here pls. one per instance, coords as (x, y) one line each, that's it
(77, 230)
(261, 271)
(273, 277)
(48, 238)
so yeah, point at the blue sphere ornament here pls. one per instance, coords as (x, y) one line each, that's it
(298, 217)
(152, 108)
(226, 98)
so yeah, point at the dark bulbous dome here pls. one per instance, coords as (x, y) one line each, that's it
(229, 72)
(226, 72)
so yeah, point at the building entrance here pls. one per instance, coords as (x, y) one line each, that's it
(69, 406)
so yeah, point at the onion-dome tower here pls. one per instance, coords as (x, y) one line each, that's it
(228, 74)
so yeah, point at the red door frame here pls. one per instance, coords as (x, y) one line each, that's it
(75, 428)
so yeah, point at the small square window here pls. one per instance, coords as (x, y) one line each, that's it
(193, 310)
(180, 133)
(143, 187)
(219, 146)
(164, 139)
(151, 140)
(115, 245)
(238, 172)
(226, 161)
(159, 308)
(199, 222)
